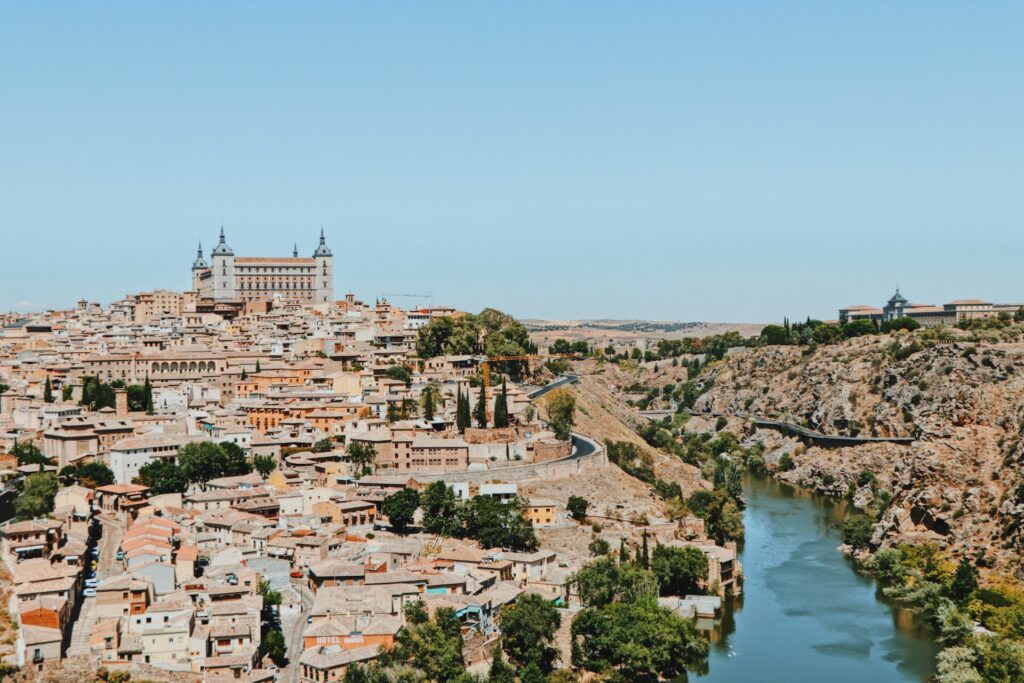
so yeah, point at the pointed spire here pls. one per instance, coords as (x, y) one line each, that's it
(295, 250)
(222, 248)
(222, 233)
(322, 250)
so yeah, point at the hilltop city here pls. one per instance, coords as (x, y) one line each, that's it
(253, 480)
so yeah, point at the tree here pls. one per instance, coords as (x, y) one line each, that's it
(264, 464)
(561, 407)
(270, 597)
(36, 499)
(429, 398)
(202, 461)
(94, 474)
(257, 365)
(723, 520)
(401, 373)
(965, 581)
(857, 531)
(29, 454)
(499, 525)
(635, 641)
(66, 392)
(323, 446)
(362, 453)
(481, 408)
(434, 647)
(644, 556)
(440, 510)
(532, 673)
(774, 335)
(147, 393)
(461, 411)
(598, 547)
(680, 571)
(163, 476)
(400, 508)
(577, 507)
(275, 647)
(500, 671)
(605, 581)
(527, 630)
(501, 407)
(48, 391)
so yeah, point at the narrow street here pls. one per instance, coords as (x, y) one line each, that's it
(85, 621)
(293, 628)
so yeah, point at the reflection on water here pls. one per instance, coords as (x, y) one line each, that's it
(805, 614)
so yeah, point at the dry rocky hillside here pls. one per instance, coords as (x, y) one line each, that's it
(959, 482)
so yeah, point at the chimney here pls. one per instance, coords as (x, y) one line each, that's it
(121, 402)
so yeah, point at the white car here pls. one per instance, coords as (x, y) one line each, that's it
(89, 592)
(92, 583)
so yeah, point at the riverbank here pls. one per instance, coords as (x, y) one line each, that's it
(806, 614)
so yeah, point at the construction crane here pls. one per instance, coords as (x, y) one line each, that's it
(485, 366)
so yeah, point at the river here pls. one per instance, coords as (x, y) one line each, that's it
(805, 614)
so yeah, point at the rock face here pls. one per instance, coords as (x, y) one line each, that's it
(960, 482)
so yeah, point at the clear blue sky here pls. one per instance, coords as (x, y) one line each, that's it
(676, 160)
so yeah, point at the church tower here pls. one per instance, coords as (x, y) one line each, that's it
(198, 267)
(324, 273)
(222, 263)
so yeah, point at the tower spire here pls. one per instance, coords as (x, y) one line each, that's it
(295, 250)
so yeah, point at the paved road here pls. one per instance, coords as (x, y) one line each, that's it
(293, 628)
(560, 382)
(84, 623)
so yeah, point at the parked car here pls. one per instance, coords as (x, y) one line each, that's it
(94, 551)
(89, 592)
(119, 556)
(92, 583)
(296, 574)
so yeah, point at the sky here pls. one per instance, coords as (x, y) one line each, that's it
(734, 162)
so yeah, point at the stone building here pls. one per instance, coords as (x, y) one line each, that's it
(253, 278)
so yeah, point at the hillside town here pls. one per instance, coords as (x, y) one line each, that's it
(228, 486)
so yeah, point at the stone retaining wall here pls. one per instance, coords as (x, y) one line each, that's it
(554, 469)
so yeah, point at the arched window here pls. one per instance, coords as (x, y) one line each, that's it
(174, 366)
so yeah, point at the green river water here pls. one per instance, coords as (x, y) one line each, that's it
(805, 614)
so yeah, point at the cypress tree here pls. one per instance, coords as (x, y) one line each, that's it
(48, 391)
(428, 403)
(645, 557)
(481, 408)
(623, 552)
(460, 421)
(501, 407)
(147, 395)
(257, 365)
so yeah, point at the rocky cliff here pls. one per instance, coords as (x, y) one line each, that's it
(959, 482)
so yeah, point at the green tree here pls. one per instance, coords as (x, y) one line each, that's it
(501, 407)
(275, 647)
(400, 373)
(723, 520)
(499, 525)
(857, 531)
(644, 556)
(36, 499)
(400, 507)
(440, 509)
(680, 571)
(66, 392)
(429, 399)
(264, 464)
(461, 411)
(163, 476)
(774, 335)
(527, 630)
(500, 671)
(323, 446)
(604, 581)
(257, 365)
(561, 407)
(270, 597)
(577, 507)
(362, 454)
(965, 581)
(434, 647)
(481, 408)
(202, 461)
(29, 454)
(635, 641)
(598, 547)
(532, 673)
(48, 391)
(147, 393)
(94, 474)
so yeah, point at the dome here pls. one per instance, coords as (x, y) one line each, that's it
(897, 298)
